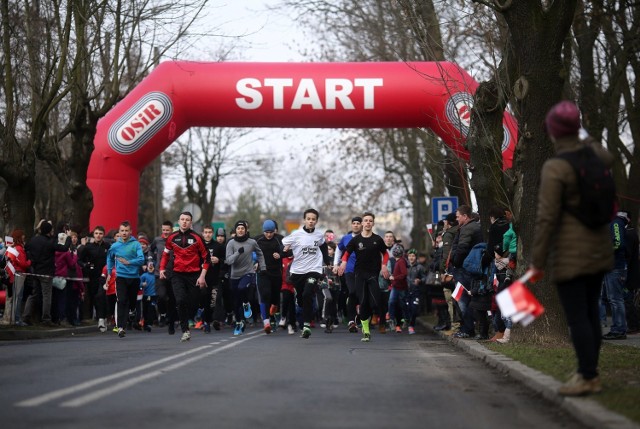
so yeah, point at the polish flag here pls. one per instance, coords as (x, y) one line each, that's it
(519, 303)
(458, 291)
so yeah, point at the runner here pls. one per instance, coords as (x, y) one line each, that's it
(371, 261)
(309, 251)
(190, 265)
(239, 256)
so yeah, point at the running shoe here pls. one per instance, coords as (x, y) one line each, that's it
(186, 336)
(146, 328)
(242, 326)
(283, 322)
(191, 323)
(306, 332)
(366, 338)
(352, 327)
(374, 320)
(291, 330)
(411, 330)
(238, 329)
(216, 325)
(207, 328)
(199, 324)
(121, 333)
(267, 326)
(246, 307)
(398, 329)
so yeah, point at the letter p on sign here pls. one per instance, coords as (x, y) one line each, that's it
(442, 206)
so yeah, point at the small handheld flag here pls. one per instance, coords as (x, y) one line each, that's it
(518, 302)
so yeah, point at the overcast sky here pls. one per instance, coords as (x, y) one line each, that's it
(265, 36)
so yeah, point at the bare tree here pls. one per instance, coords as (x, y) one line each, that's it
(413, 162)
(65, 64)
(207, 156)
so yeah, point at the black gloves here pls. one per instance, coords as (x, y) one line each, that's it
(241, 250)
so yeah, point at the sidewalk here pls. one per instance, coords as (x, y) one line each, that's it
(588, 412)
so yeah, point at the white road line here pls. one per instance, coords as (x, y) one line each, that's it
(56, 394)
(99, 394)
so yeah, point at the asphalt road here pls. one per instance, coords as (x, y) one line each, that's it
(276, 381)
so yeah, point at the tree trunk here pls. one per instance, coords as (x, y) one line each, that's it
(537, 38)
(19, 199)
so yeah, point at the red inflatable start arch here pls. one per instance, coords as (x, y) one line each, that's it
(178, 95)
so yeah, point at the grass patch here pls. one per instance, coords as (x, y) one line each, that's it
(619, 370)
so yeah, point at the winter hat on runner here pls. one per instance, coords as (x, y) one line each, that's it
(268, 226)
(241, 223)
(563, 120)
(221, 233)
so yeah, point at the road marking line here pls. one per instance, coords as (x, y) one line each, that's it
(99, 394)
(56, 394)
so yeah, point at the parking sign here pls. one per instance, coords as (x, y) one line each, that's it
(442, 206)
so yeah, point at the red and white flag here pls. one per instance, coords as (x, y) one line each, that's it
(458, 291)
(519, 303)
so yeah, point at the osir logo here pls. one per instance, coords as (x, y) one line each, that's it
(140, 123)
(458, 112)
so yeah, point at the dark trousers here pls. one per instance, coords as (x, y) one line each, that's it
(289, 307)
(166, 299)
(269, 292)
(579, 299)
(98, 300)
(368, 292)
(149, 305)
(352, 296)
(306, 286)
(186, 292)
(126, 293)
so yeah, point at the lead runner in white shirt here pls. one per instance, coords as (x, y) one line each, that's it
(309, 249)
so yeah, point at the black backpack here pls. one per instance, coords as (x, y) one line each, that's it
(597, 189)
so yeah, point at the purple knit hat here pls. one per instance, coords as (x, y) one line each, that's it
(563, 120)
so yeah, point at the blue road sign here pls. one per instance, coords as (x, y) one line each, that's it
(442, 206)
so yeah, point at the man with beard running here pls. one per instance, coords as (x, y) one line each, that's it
(371, 261)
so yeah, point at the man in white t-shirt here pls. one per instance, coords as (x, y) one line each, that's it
(309, 250)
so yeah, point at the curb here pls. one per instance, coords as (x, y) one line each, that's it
(586, 411)
(18, 334)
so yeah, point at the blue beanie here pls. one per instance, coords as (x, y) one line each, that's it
(269, 225)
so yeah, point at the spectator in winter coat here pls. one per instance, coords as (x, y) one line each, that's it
(41, 250)
(16, 263)
(468, 236)
(577, 270)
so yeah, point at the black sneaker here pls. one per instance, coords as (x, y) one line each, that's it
(352, 327)
(121, 333)
(614, 336)
(216, 325)
(147, 328)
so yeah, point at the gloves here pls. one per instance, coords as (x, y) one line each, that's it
(241, 250)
